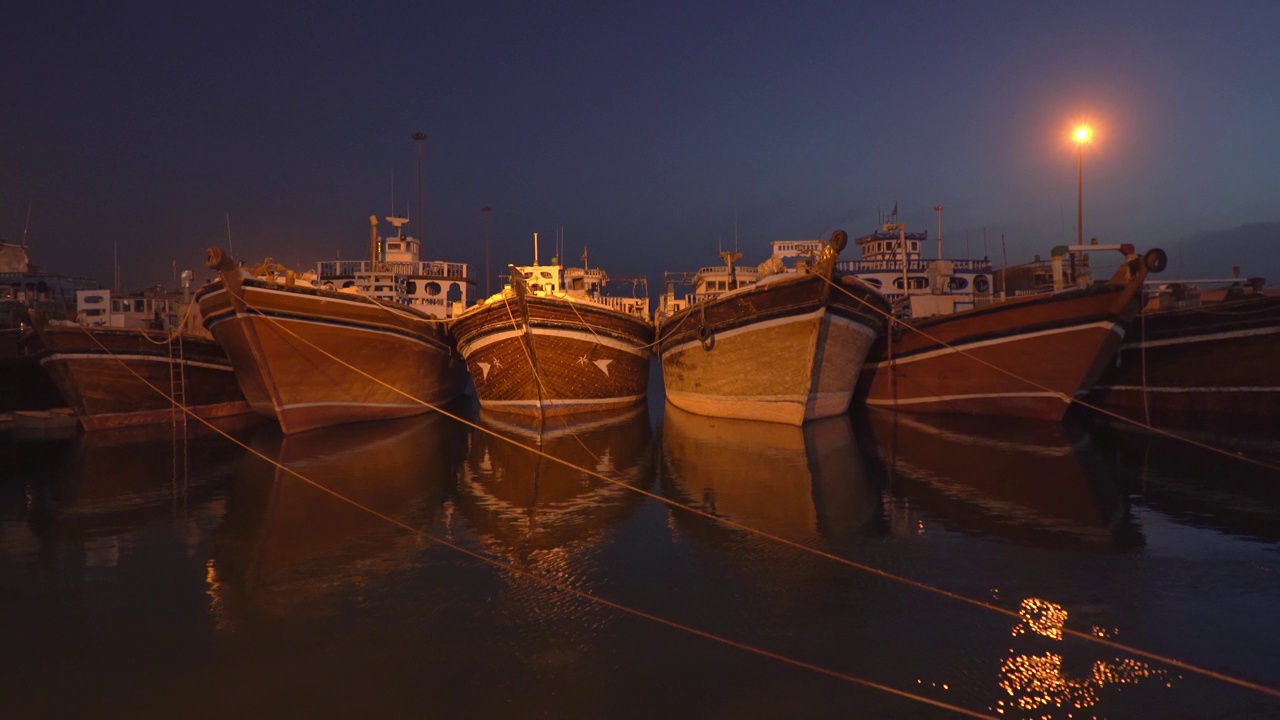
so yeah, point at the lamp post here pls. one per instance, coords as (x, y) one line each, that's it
(1082, 134)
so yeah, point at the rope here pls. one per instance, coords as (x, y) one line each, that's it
(507, 567)
(800, 546)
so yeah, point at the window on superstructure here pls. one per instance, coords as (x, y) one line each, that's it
(432, 288)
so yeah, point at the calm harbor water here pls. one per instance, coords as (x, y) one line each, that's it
(143, 576)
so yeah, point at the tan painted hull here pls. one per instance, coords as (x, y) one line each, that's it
(586, 358)
(1024, 357)
(116, 378)
(787, 352)
(314, 359)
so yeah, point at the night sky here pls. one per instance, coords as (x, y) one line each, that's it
(647, 131)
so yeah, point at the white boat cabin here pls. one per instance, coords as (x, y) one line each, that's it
(151, 309)
(582, 284)
(786, 256)
(397, 274)
(892, 261)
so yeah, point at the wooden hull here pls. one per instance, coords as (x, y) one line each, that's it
(588, 358)
(313, 359)
(1218, 358)
(121, 377)
(1022, 357)
(788, 351)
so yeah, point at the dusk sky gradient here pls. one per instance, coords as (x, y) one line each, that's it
(641, 129)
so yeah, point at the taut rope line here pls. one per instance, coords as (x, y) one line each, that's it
(796, 545)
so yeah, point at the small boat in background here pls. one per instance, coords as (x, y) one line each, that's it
(777, 343)
(312, 357)
(1024, 356)
(1198, 349)
(553, 342)
(136, 360)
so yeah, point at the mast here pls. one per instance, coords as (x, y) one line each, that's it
(535, 248)
(373, 241)
(27, 226)
(938, 209)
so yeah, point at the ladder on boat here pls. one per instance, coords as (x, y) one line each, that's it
(177, 382)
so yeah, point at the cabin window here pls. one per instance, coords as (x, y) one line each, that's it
(411, 287)
(348, 284)
(92, 299)
(546, 275)
(958, 283)
(432, 288)
(393, 246)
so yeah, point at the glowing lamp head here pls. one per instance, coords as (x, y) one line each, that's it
(1082, 134)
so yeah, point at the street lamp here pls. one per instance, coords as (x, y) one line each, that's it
(1082, 135)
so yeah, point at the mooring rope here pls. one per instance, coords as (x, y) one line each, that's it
(797, 545)
(568, 589)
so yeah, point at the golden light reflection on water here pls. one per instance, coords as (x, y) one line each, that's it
(1039, 684)
(1041, 617)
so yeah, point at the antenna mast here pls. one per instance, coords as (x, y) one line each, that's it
(28, 224)
(230, 253)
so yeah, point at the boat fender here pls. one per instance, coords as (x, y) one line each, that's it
(705, 337)
(1156, 260)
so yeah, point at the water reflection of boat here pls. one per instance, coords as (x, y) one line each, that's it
(287, 546)
(795, 482)
(1189, 479)
(107, 484)
(1028, 480)
(523, 504)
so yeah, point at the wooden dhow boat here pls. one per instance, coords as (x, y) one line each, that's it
(1024, 356)
(138, 366)
(1197, 349)
(312, 357)
(553, 343)
(775, 343)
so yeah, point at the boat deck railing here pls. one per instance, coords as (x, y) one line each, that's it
(423, 268)
(855, 266)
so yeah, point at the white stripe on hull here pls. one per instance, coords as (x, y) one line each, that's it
(112, 357)
(355, 326)
(583, 335)
(1200, 338)
(953, 398)
(1113, 327)
(1140, 388)
(571, 402)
